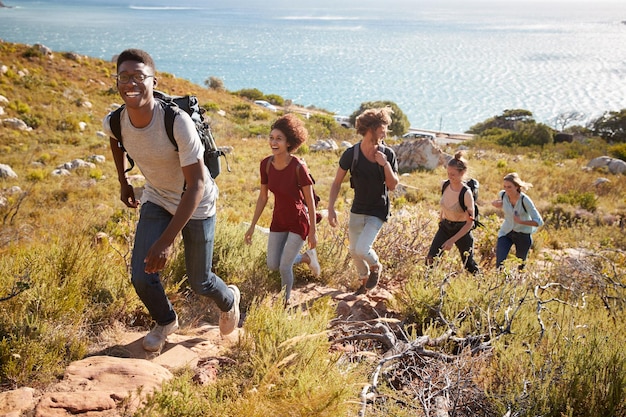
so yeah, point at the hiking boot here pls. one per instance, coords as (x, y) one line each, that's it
(372, 280)
(314, 264)
(155, 340)
(230, 319)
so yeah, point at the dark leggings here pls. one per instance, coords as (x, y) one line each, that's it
(446, 230)
(522, 242)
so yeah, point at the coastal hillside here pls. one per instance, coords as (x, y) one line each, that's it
(546, 340)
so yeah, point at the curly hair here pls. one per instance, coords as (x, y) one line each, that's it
(293, 129)
(136, 55)
(373, 119)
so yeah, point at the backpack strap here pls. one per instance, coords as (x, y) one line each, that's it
(445, 184)
(116, 128)
(462, 198)
(355, 157)
(170, 114)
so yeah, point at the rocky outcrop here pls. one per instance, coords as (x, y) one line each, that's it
(7, 172)
(614, 165)
(419, 153)
(116, 380)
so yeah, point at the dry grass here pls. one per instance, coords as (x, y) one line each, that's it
(554, 332)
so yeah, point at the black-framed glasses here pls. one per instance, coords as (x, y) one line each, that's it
(138, 78)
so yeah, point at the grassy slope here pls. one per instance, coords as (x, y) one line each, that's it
(77, 289)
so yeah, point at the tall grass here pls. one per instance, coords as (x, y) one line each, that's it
(554, 332)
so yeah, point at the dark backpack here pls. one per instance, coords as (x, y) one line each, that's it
(172, 106)
(316, 198)
(473, 186)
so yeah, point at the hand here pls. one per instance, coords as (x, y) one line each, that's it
(157, 257)
(248, 235)
(312, 240)
(127, 195)
(381, 158)
(447, 245)
(332, 217)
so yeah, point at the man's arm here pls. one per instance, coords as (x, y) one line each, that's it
(127, 194)
(334, 192)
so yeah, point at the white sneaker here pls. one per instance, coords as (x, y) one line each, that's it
(230, 319)
(314, 266)
(155, 340)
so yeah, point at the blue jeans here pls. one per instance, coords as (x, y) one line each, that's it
(362, 232)
(522, 242)
(465, 245)
(283, 251)
(198, 238)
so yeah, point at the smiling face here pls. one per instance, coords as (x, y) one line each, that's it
(136, 93)
(278, 142)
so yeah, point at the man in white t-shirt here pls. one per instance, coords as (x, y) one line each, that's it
(165, 210)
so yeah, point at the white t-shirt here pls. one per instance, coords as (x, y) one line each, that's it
(161, 164)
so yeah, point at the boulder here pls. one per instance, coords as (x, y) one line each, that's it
(96, 385)
(16, 402)
(75, 164)
(419, 153)
(324, 145)
(614, 165)
(61, 172)
(17, 124)
(7, 172)
(617, 166)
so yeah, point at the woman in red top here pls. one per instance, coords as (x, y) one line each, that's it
(293, 219)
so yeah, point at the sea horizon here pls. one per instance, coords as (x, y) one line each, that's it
(447, 65)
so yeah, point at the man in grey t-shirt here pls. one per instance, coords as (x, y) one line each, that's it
(165, 209)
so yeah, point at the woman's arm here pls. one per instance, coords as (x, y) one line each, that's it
(261, 202)
(307, 190)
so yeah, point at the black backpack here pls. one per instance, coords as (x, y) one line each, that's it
(472, 185)
(172, 106)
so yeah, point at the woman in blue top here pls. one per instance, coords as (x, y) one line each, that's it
(521, 219)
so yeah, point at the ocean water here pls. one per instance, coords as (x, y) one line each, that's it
(448, 65)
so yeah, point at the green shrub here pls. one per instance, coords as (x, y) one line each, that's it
(36, 175)
(584, 200)
(618, 151)
(251, 93)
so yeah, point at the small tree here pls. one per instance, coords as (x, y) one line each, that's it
(611, 126)
(508, 120)
(563, 119)
(215, 83)
(399, 121)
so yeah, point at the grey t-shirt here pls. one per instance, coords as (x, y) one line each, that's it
(159, 162)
